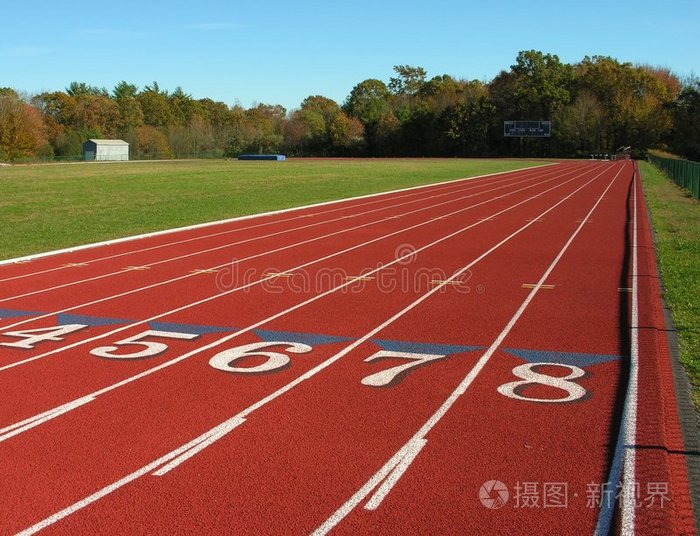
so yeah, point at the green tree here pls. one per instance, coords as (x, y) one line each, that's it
(124, 90)
(368, 101)
(155, 106)
(182, 106)
(578, 126)
(685, 139)
(409, 80)
(79, 89)
(542, 84)
(466, 127)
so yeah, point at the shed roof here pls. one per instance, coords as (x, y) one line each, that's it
(108, 142)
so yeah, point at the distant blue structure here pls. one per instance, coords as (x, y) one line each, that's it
(277, 157)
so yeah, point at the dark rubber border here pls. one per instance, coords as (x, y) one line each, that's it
(687, 415)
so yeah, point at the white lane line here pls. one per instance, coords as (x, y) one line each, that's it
(231, 336)
(167, 458)
(260, 215)
(629, 497)
(258, 238)
(456, 183)
(209, 438)
(363, 492)
(225, 293)
(37, 420)
(412, 449)
(113, 487)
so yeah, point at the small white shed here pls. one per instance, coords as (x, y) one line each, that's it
(103, 150)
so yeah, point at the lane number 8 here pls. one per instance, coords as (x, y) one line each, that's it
(529, 376)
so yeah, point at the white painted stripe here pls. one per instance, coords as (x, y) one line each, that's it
(413, 448)
(356, 499)
(214, 435)
(629, 498)
(237, 289)
(362, 493)
(37, 420)
(121, 271)
(243, 414)
(113, 487)
(252, 216)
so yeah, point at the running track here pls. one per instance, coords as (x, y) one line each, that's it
(478, 356)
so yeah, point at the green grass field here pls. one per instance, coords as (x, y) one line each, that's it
(55, 206)
(676, 220)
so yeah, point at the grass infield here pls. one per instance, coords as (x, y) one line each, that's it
(47, 207)
(676, 219)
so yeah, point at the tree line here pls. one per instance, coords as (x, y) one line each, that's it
(595, 105)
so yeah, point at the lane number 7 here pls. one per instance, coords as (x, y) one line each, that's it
(392, 376)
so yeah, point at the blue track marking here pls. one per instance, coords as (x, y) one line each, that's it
(15, 313)
(64, 319)
(562, 358)
(423, 348)
(311, 339)
(188, 328)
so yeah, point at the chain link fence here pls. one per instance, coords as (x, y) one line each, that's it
(685, 173)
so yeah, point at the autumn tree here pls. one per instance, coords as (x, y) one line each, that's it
(147, 142)
(21, 128)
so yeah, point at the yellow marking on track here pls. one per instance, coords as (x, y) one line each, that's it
(74, 264)
(277, 274)
(445, 282)
(358, 278)
(531, 285)
(137, 268)
(205, 271)
(25, 261)
(584, 221)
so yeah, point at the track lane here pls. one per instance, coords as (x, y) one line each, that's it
(282, 445)
(96, 284)
(157, 302)
(218, 313)
(478, 452)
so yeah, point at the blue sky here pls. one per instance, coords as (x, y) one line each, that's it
(280, 52)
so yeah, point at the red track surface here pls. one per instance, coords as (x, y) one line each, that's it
(515, 303)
